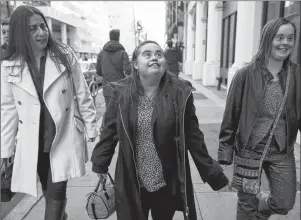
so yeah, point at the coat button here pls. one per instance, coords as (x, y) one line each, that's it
(64, 91)
(21, 122)
(67, 109)
(19, 103)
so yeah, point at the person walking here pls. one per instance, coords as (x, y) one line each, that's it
(173, 57)
(261, 122)
(46, 104)
(112, 62)
(153, 115)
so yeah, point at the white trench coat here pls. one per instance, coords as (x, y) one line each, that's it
(20, 118)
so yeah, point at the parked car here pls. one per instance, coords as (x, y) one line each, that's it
(89, 69)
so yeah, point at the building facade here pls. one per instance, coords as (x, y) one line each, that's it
(221, 36)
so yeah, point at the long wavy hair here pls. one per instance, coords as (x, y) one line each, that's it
(19, 46)
(268, 33)
(135, 88)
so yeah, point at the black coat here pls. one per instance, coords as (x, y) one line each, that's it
(243, 101)
(112, 63)
(173, 56)
(119, 123)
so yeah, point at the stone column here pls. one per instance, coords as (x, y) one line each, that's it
(247, 34)
(189, 48)
(200, 40)
(49, 23)
(211, 68)
(64, 33)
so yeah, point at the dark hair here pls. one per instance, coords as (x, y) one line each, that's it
(135, 88)
(19, 45)
(5, 22)
(268, 33)
(114, 34)
(169, 43)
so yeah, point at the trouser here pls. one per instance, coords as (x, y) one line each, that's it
(160, 203)
(55, 191)
(280, 171)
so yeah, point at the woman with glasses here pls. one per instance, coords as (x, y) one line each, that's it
(46, 104)
(152, 115)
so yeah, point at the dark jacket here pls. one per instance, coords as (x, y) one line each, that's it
(119, 123)
(173, 56)
(243, 101)
(113, 63)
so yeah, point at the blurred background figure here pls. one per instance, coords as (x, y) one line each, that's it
(4, 37)
(112, 62)
(173, 56)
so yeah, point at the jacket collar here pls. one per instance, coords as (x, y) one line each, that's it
(24, 79)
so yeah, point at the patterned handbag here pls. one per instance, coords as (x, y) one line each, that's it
(101, 204)
(247, 172)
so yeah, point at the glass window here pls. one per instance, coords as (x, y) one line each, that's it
(232, 40)
(292, 12)
(225, 42)
(273, 10)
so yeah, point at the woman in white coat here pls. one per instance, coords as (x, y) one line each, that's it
(46, 105)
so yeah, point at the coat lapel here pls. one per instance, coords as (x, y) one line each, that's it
(51, 73)
(23, 80)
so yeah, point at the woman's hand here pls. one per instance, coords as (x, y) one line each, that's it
(103, 177)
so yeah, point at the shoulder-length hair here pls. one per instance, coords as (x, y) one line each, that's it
(19, 46)
(268, 33)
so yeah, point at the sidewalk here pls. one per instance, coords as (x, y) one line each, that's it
(210, 205)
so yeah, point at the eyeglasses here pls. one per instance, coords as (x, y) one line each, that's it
(148, 54)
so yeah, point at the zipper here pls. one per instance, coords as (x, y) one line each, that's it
(186, 204)
(131, 148)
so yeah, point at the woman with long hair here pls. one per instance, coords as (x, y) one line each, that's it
(152, 115)
(47, 106)
(261, 122)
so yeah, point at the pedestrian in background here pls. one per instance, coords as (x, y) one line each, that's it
(153, 115)
(173, 57)
(253, 102)
(40, 78)
(112, 63)
(4, 37)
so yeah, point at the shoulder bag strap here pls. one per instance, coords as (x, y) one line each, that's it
(276, 119)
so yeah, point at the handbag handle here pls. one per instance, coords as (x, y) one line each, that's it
(276, 119)
(104, 183)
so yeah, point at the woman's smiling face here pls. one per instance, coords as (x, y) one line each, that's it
(283, 43)
(150, 61)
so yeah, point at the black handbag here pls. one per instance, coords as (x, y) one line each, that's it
(101, 204)
(247, 172)
(6, 176)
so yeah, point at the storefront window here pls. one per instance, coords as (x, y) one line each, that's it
(273, 10)
(292, 12)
